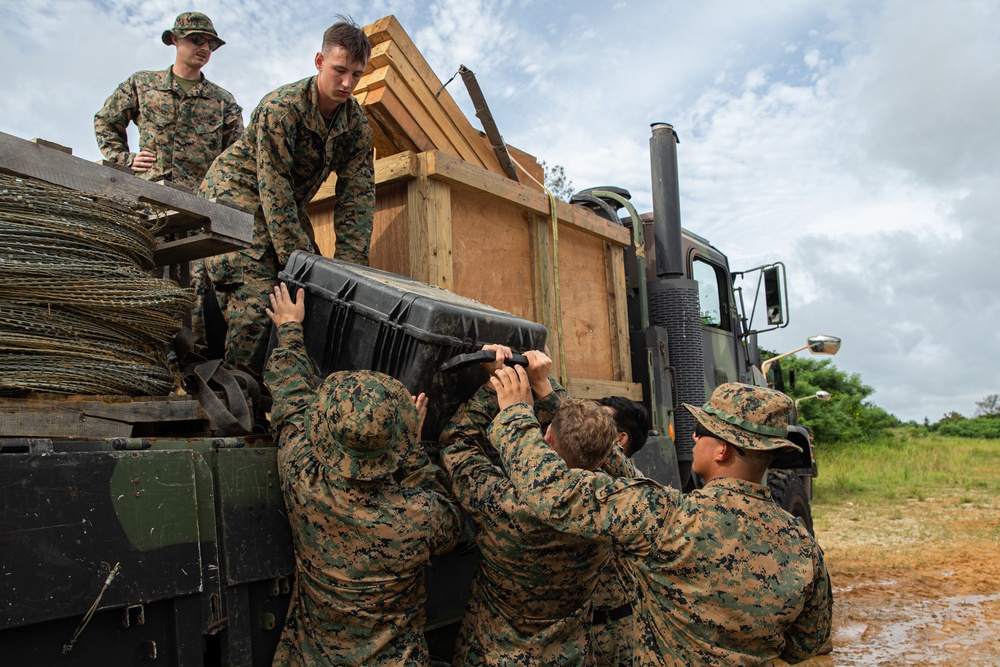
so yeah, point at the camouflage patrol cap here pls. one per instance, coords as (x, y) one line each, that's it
(361, 423)
(189, 23)
(747, 416)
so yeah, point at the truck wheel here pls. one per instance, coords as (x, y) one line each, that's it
(788, 491)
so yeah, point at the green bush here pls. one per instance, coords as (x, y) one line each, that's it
(981, 427)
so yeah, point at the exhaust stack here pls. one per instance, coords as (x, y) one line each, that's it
(666, 202)
(673, 299)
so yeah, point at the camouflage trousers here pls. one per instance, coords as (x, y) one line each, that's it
(243, 304)
(612, 642)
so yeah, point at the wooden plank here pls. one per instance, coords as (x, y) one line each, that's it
(389, 29)
(594, 389)
(397, 123)
(381, 143)
(193, 247)
(92, 416)
(389, 54)
(542, 279)
(430, 119)
(614, 270)
(458, 172)
(397, 167)
(26, 159)
(429, 203)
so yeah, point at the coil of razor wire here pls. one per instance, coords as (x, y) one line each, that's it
(80, 311)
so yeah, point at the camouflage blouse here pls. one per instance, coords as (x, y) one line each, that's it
(531, 597)
(186, 131)
(361, 548)
(725, 576)
(279, 163)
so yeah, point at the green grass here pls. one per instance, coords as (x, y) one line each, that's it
(906, 465)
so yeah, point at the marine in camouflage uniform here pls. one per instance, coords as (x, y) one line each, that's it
(362, 540)
(531, 596)
(286, 153)
(183, 123)
(614, 596)
(725, 576)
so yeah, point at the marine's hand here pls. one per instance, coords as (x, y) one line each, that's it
(420, 403)
(283, 309)
(143, 161)
(539, 367)
(512, 386)
(502, 353)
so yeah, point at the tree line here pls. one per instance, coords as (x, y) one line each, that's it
(849, 415)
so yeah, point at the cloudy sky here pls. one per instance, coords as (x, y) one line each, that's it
(857, 141)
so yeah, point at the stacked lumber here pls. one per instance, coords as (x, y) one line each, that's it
(409, 111)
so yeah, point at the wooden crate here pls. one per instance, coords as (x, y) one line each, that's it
(451, 223)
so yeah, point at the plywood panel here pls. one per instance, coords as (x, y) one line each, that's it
(491, 252)
(390, 247)
(585, 305)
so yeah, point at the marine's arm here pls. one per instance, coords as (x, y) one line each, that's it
(812, 627)
(111, 121)
(289, 372)
(277, 133)
(580, 502)
(355, 209)
(232, 122)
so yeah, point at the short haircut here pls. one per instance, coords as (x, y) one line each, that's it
(584, 432)
(630, 417)
(755, 461)
(348, 35)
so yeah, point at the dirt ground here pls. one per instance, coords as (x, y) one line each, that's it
(916, 582)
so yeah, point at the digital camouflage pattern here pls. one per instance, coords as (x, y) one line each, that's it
(747, 416)
(186, 131)
(189, 23)
(531, 596)
(276, 167)
(361, 546)
(725, 576)
(612, 639)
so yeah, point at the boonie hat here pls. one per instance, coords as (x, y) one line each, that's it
(189, 23)
(747, 416)
(360, 424)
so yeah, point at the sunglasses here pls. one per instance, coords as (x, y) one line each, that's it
(200, 40)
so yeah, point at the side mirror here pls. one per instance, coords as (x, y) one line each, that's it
(823, 344)
(772, 296)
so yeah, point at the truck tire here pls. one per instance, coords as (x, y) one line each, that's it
(788, 491)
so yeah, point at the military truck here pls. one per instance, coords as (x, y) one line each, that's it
(172, 547)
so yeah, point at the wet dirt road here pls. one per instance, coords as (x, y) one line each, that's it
(916, 582)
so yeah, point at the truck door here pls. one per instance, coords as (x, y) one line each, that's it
(716, 307)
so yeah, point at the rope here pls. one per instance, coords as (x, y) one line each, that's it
(554, 226)
(81, 312)
(90, 612)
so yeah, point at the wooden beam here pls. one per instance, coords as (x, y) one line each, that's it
(429, 205)
(22, 158)
(594, 389)
(457, 172)
(614, 270)
(452, 121)
(542, 280)
(92, 416)
(389, 29)
(397, 123)
(430, 123)
(396, 168)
